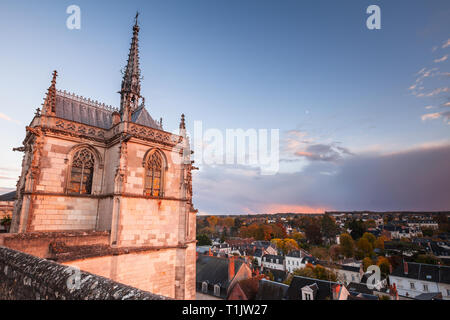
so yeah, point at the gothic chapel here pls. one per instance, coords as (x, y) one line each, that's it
(93, 168)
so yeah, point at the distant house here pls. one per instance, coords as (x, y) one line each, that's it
(266, 246)
(413, 279)
(271, 290)
(215, 277)
(303, 288)
(273, 262)
(294, 260)
(345, 273)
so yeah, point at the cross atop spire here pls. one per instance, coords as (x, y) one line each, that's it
(131, 82)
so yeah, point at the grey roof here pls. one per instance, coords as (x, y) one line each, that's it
(142, 117)
(74, 108)
(429, 296)
(271, 290)
(324, 288)
(424, 272)
(10, 196)
(78, 109)
(214, 270)
(273, 258)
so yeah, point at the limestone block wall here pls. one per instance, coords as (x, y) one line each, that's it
(136, 170)
(151, 222)
(55, 213)
(152, 271)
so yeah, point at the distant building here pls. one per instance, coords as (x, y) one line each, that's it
(303, 288)
(413, 279)
(273, 262)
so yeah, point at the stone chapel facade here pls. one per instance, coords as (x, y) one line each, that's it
(92, 167)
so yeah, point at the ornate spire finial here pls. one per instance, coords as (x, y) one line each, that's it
(50, 100)
(182, 123)
(131, 82)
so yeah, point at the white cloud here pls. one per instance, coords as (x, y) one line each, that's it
(446, 44)
(441, 59)
(431, 116)
(7, 118)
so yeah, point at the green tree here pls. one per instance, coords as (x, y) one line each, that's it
(203, 240)
(370, 237)
(363, 248)
(366, 263)
(329, 227)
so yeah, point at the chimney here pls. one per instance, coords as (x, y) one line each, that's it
(210, 253)
(231, 268)
(390, 268)
(405, 267)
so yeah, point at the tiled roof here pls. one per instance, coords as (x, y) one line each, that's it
(324, 292)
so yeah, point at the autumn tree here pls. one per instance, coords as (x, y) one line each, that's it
(347, 245)
(370, 237)
(363, 248)
(316, 272)
(212, 221)
(366, 263)
(335, 252)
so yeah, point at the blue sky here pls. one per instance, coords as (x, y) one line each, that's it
(309, 68)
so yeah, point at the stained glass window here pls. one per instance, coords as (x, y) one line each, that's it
(82, 172)
(153, 175)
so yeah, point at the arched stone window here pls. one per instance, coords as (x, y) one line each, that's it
(153, 183)
(205, 287)
(82, 172)
(217, 290)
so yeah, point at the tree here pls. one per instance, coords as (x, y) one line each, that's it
(384, 265)
(427, 258)
(363, 248)
(329, 227)
(335, 252)
(379, 243)
(370, 237)
(366, 263)
(203, 240)
(313, 233)
(212, 221)
(347, 245)
(317, 272)
(320, 253)
(358, 228)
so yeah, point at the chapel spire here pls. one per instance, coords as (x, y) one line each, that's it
(50, 100)
(131, 83)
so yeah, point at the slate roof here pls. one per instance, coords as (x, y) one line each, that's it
(271, 290)
(278, 275)
(273, 258)
(359, 288)
(324, 292)
(424, 272)
(78, 109)
(429, 296)
(10, 196)
(214, 270)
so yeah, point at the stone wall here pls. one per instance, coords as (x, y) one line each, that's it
(38, 243)
(25, 277)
